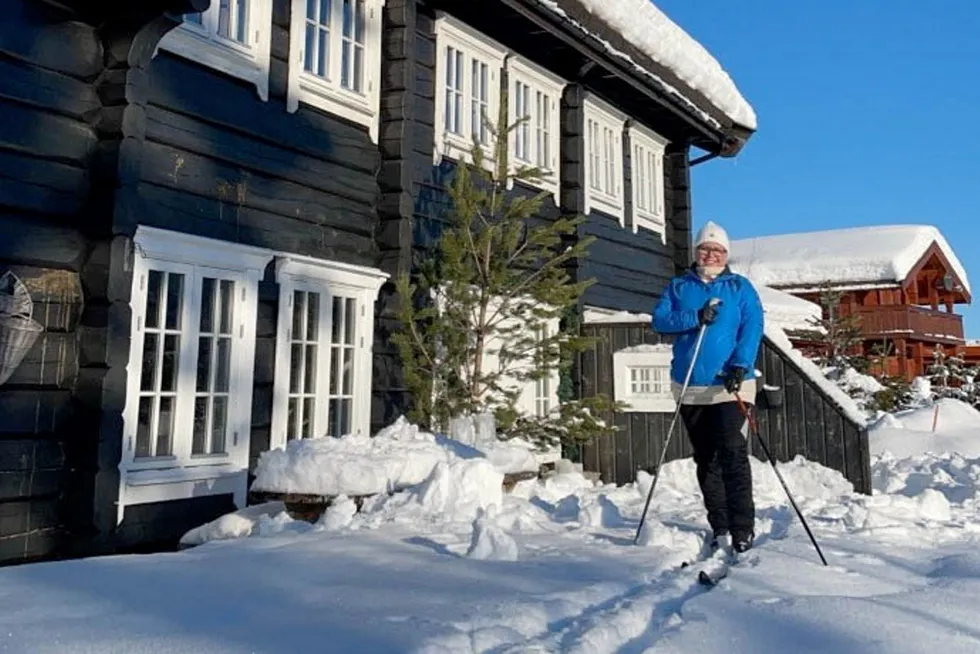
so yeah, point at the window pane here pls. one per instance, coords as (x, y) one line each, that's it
(350, 319)
(348, 372)
(200, 425)
(224, 17)
(227, 306)
(309, 52)
(149, 364)
(154, 288)
(309, 376)
(323, 53)
(308, 413)
(193, 18)
(345, 64)
(171, 358)
(312, 316)
(359, 21)
(299, 309)
(334, 371)
(338, 319)
(165, 426)
(241, 21)
(291, 419)
(175, 297)
(204, 356)
(223, 364)
(219, 424)
(295, 367)
(144, 417)
(207, 305)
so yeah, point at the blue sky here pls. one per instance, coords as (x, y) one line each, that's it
(868, 114)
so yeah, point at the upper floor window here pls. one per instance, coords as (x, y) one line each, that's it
(647, 171)
(603, 158)
(231, 36)
(468, 68)
(534, 95)
(335, 58)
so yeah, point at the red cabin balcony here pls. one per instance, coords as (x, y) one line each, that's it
(911, 323)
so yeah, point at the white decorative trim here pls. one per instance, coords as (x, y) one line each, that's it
(649, 144)
(539, 80)
(307, 88)
(609, 118)
(451, 32)
(249, 62)
(640, 357)
(329, 279)
(182, 474)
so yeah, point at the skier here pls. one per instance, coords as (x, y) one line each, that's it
(727, 305)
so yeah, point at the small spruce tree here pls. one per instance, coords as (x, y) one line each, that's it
(475, 315)
(838, 335)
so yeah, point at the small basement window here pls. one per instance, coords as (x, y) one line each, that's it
(642, 378)
(604, 158)
(231, 36)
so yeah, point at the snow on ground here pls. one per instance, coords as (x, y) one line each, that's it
(454, 565)
(858, 255)
(909, 433)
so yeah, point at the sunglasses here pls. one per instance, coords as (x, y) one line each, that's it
(710, 250)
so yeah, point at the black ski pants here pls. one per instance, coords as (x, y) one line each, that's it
(721, 454)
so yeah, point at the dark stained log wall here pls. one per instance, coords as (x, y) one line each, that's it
(806, 422)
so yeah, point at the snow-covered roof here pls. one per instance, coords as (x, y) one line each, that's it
(647, 30)
(882, 254)
(786, 311)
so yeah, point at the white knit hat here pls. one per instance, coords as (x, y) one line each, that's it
(712, 233)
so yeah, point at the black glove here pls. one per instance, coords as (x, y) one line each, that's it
(708, 313)
(733, 379)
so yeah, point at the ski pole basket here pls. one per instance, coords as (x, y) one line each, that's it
(18, 329)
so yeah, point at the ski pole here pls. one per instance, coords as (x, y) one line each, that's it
(754, 426)
(670, 431)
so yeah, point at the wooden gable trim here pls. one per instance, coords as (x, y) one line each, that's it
(934, 250)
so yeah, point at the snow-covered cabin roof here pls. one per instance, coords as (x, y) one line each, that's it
(853, 257)
(640, 33)
(786, 311)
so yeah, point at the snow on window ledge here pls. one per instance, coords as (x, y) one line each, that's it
(641, 379)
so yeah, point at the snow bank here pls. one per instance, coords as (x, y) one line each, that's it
(397, 457)
(909, 433)
(858, 255)
(598, 316)
(650, 31)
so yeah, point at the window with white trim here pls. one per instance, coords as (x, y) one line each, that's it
(323, 351)
(335, 59)
(642, 378)
(603, 157)
(468, 71)
(192, 351)
(534, 94)
(231, 36)
(647, 169)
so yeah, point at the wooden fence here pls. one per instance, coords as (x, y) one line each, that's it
(800, 418)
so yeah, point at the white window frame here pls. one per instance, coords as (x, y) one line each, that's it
(647, 170)
(639, 358)
(328, 94)
(452, 33)
(249, 61)
(531, 398)
(539, 81)
(330, 279)
(605, 117)
(183, 475)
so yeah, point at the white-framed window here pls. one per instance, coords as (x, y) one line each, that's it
(468, 71)
(323, 348)
(642, 378)
(192, 351)
(535, 93)
(335, 59)
(647, 171)
(603, 127)
(231, 36)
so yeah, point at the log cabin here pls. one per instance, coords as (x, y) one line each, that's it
(904, 281)
(204, 205)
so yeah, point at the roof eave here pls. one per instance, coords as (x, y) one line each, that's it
(726, 141)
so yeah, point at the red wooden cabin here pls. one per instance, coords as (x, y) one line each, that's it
(903, 280)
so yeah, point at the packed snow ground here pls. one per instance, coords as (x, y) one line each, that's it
(455, 565)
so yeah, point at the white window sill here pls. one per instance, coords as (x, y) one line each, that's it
(457, 148)
(150, 486)
(178, 475)
(650, 222)
(604, 203)
(187, 42)
(649, 404)
(356, 108)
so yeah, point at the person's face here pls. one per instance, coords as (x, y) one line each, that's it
(711, 254)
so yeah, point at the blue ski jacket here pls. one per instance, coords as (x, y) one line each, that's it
(732, 340)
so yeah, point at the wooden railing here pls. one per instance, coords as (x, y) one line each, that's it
(911, 322)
